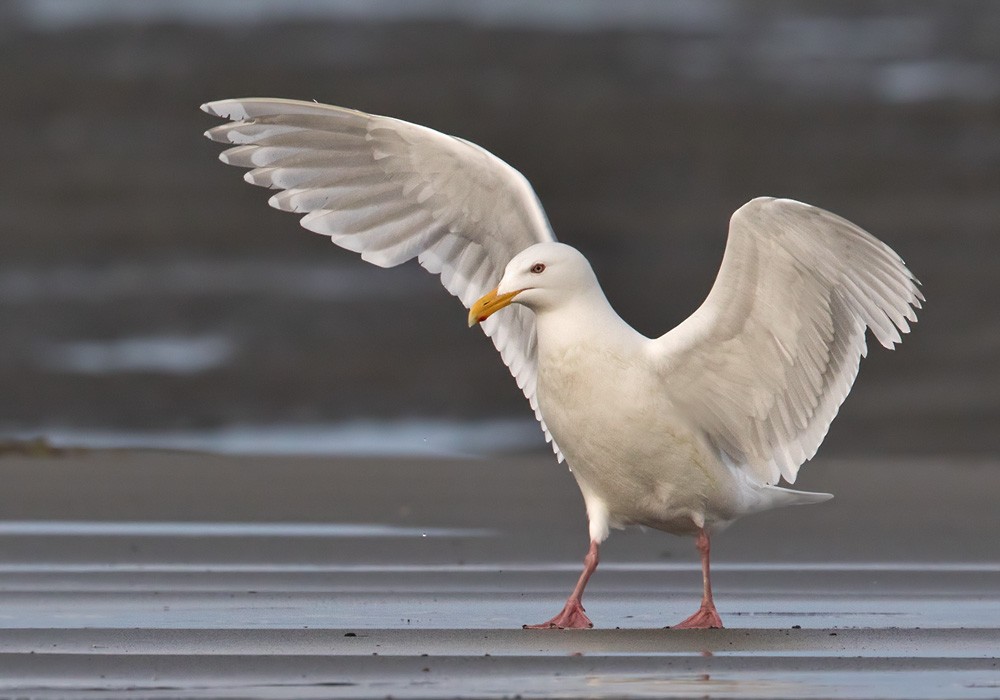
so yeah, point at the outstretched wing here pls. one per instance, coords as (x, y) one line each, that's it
(392, 191)
(766, 361)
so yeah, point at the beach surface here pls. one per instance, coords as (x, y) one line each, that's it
(160, 575)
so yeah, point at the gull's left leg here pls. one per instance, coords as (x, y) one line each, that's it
(707, 616)
(572, 615)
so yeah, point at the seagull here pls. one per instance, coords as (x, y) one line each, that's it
(685, 432)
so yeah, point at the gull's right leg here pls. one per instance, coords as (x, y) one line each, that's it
(572, 615)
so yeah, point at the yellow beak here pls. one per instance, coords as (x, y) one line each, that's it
(489, 304)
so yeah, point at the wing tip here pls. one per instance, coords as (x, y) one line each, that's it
(767, 201)
(239, 108)
(754, 205)
(220, 108)
(282, 201)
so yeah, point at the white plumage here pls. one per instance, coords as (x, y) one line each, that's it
(685, 432)
(764, 364)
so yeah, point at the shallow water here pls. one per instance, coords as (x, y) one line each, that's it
(499, 596)
(268, 633)
(401, 437)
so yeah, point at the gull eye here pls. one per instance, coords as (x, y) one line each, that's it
(537, 268)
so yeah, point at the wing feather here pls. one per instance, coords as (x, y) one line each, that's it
(766, 361)
(393, 191)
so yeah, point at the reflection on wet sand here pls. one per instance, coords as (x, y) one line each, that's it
(204, 576)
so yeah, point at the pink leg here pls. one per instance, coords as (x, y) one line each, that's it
(707, 616)
(572, 615)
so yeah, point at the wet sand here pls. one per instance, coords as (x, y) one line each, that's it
(182, 575)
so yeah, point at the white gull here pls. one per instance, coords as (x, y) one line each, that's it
(683, 433)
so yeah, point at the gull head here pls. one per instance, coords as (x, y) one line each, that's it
(543, 276)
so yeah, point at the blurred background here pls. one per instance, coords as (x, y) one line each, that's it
(149, 296)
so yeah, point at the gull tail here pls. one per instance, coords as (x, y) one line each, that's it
(777, 497)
